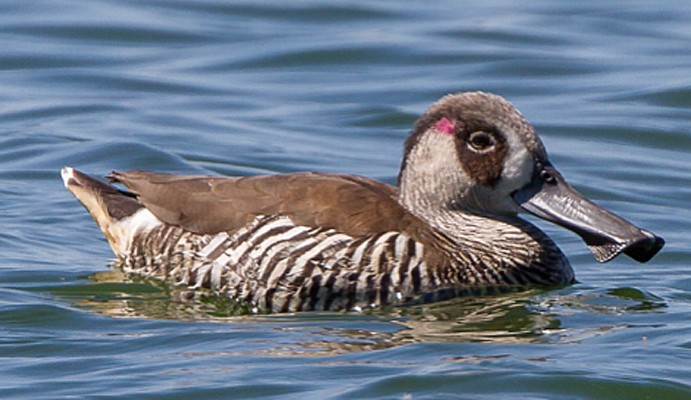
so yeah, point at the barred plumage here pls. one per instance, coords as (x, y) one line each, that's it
(278, 266)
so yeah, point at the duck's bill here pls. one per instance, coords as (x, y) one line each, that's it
(607, 235)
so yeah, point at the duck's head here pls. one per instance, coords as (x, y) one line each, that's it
(475, 153)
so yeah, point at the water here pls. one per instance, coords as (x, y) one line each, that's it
(267, 87)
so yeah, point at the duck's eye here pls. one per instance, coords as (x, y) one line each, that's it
(481, 141)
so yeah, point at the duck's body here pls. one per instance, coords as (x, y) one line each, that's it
(272, 242)
(315, 241)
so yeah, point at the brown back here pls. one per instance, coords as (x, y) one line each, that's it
(354, 205)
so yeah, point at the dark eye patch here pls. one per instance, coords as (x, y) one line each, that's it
(482, 152)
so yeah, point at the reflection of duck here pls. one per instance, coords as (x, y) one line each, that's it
(323, 241)
(532, 316)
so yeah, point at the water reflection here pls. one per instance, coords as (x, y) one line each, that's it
(120, 295)
(509, 318)
(526, 317)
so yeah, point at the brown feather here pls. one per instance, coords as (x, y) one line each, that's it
(354, 205)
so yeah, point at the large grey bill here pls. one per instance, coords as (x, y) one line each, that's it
(607, 235)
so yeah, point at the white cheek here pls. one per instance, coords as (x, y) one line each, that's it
(516, 173)
(518, 169)
(518, 165)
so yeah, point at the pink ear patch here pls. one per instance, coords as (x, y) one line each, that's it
(445, 125)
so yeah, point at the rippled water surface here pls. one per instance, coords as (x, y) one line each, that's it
(267, 87)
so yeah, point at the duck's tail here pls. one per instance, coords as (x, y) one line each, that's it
(108, 205)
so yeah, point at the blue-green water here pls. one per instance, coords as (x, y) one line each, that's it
(267, 87)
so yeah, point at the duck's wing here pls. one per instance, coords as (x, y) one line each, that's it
(354, 205)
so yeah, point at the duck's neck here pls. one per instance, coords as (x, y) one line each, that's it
(507, 250)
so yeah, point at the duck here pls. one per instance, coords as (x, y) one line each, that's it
(305, 241)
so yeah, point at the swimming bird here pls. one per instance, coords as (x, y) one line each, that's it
(317, 241)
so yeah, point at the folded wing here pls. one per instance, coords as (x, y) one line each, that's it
(353, 205)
